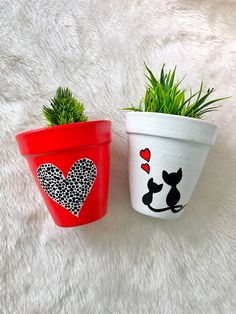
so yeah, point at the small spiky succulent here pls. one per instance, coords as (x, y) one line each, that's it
(64, 109)
(164, 95)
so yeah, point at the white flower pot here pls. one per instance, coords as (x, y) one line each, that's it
(166, 156)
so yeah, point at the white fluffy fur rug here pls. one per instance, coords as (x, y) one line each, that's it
(126, 262)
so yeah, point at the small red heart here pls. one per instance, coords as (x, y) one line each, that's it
(146, 167)
(145, 154)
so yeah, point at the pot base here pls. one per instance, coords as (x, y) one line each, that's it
(58, 224)
(167, 215)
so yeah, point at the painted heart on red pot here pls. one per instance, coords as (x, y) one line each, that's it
(72, 191)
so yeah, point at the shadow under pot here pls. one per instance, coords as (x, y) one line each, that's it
(166, 157)
(70, 164)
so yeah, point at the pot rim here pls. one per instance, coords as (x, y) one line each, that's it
(169, 115)
(61, 126)
(63, 137)
(171, 126)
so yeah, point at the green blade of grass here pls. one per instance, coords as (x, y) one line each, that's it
(166, 96)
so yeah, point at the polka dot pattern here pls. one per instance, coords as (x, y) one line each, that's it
(70, 192)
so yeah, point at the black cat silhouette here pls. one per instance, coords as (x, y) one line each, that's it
(153, 188)
(173, 196)
(172, 179)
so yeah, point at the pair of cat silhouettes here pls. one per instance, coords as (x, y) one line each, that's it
(173, 197)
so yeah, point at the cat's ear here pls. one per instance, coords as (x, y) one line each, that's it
(159, 187)
(165, 176)
(150, 182)
(156, 187)
(179, 174)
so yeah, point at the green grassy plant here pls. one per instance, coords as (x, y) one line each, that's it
(64, 109)
(164, 95)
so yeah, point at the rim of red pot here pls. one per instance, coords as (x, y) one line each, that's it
(62, 137)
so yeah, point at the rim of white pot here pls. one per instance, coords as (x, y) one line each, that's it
(171, 126)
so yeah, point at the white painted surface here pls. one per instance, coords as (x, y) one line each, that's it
(126, 262)
(174, 143)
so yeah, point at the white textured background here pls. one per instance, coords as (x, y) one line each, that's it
(126, 262)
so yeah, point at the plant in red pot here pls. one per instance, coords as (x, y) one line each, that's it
(69, 161)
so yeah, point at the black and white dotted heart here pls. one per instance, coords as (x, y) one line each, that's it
(70, 192)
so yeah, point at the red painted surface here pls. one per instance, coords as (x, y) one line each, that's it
(62, 146)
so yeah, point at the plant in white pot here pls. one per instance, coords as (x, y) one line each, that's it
(168, 145)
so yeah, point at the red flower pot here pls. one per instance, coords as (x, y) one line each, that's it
(70, 164)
